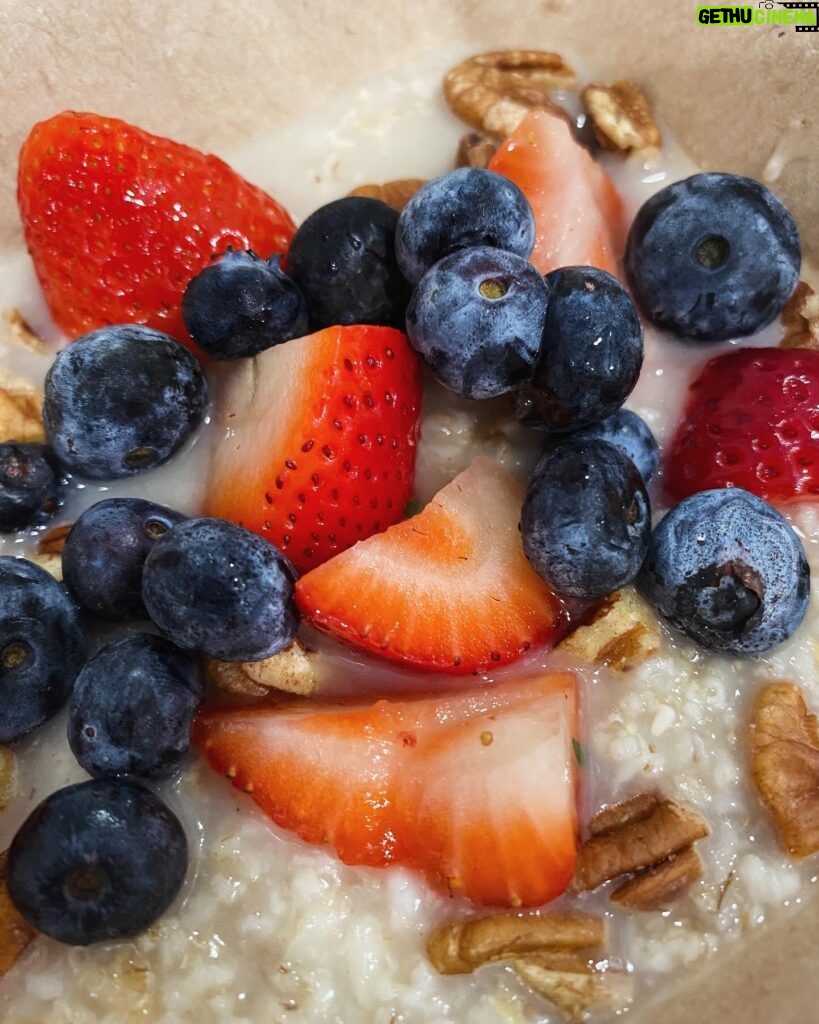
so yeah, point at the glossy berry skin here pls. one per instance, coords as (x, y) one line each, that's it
(97, 861)
(726, 569)
(461, 209)
(217, 589)
(117, 220)
(42, 647)
(122, 400)
(586, 519)
(631, 434)
(132, 708)
(591, 353)
(240, 305)
(476, 319)
(712, 257)
(343, 260)
(751, 421)
(105, 552)
(30, 485)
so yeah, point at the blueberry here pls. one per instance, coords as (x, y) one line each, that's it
(343, 259)
(628, 432)
(121, 400)
(42, 647)
(97, 861)
(30, 485)
(591, 354)
(725, 568)
(105, 551)
(132, 708)
(463, 208)
(241, 305)
(712, 257)
(220, 590)
(476, 319)
(586, 519)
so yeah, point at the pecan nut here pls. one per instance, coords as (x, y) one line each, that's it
(622, 633)
(23, 334)
(52, 541)
(20, 415)
(8, 765)
(15, 932)
(394, 193)
(658, 887)
(475, 150)
(574, 992)
(621, 117)
(800, 318)
(292, 670)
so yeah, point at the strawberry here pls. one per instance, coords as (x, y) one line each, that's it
(319, 450)
(474, 789)
(752, 421)
(578, 212)
(117, 221)
(449, 590)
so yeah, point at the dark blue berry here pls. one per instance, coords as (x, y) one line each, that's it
(105, 551)
(628, 432)
(42, 647)
(725, 568)
(343, 260)
(121, 400)
(30, 485)
(464, 208)
(132, 708)
(586, 519)
(97, 861)
(712, 257)
(477, 318)
(591, 354)
(241, 305)
(217, 589)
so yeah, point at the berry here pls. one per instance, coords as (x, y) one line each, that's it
(463, 208)
(105, 551)
(628, 432)
(97, 861)
(726, 569)
(118, 221)
(712, 257)
(586, 519)
(42, 647)
(476, 319)
(320, 434)
(578, 211)
(30, 485)
(132, 708)
(343, 259)
(122, 400)
(446, 591)
(219, 590)
(241, 305)
(476, 790)
(591, 353)
(751, 421)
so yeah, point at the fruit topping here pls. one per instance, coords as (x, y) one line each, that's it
(476, 318)
(319, 440)
(628, 432)
(712, 257)
(30, 485)
(448, 590)
(216, 589)
(96, 861)
(727, 569)
(475, 789)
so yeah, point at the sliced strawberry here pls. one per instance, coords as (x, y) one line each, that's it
(449, 590)
(320, 438)
(474, 789)
(579, 218)
(752, 421)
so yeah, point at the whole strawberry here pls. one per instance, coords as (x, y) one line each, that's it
(117, 221)
(752, 421)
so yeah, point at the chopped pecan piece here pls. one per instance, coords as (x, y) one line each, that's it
(7, 770)
(800, 318)
(623, 813)
(22, 333)
(493, 92)
(475, 150)
(52, 563)
(52, 541)
(15, 931)
(658, 887)
(784, 743)
(574, 992)
(20, 415)
(394, 193)
(292, 670)
(623, 633)
(622, 117)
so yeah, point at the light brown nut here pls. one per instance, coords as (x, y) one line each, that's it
(575, 992)
(475, 150)
(493, 92)
(20, 415)
(394, 193)
(617, 815)
(52, 541)
(8, 767)
(443, 950)
(657, 888)
(622, 117)
(15, 931)
(623, 633)
(22, 333)
(292, 670)
(800, 318)
(52, 563)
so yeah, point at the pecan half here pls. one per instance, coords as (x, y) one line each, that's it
(394, 193)
(493, 92)
(475, 150)
(800, 318)
(622, 117)
(15, 931)
(52, 541)
(8, 765)
(658, 887)
(52, 563)
(20, 415)
(23, 334)
(622, 633)
(574, 992)
(292, 670)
